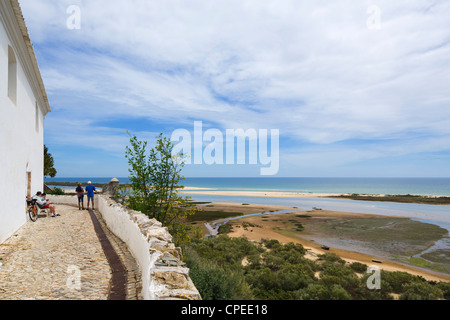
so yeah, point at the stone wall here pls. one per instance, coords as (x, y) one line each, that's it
(164, 275)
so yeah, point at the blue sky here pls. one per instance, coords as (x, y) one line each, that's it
(354, 92)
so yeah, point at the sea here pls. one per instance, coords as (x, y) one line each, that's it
(397, 186)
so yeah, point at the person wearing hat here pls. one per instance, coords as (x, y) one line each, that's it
(90, 189)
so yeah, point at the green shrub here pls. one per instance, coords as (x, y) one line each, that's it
(331, 257)
(276, 271)
(271, 244)
(57, 192)
(358, 267)
(225, 228)
(397, 280)
(211, 282)
(322, 292)
(445, 288)
(421, 291)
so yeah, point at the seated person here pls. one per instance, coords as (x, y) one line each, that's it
(37, 197)
(43, 203)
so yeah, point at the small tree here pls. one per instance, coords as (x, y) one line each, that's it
(49, 162)
(155, 178)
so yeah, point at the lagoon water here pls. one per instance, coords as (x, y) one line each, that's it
(438, 214)
(417, 186)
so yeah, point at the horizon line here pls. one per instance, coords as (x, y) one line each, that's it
(265, 177)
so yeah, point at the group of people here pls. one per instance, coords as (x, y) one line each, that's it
(44, 203)
(90, 189)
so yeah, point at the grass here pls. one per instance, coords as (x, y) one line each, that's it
(419, 262)
(288, 232)
(247, 225)
(302, 216)
(211, 215)
(438, 256)
(425, 263)
(393, 235)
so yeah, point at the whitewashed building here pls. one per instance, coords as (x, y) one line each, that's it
(23, 106)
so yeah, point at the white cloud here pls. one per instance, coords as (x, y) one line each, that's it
(311, 69)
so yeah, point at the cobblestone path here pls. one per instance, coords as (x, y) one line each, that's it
(61, 259)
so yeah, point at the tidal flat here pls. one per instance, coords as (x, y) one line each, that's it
(397, 241)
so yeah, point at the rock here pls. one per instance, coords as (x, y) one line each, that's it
(172, 280)
(172, 251)
(158, 233)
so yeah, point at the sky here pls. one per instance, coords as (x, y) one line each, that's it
(355, 88)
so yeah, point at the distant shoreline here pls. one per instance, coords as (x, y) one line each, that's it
(419, 199)
(436, 200)
(341, 186)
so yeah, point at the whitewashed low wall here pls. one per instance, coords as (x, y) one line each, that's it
(67, 200)
(164, 275)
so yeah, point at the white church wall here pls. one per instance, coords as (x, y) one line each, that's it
(21, 143)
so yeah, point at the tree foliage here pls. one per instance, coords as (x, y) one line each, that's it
(49, 162)
(155, 177)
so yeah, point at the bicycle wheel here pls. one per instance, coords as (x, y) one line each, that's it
(33, 213)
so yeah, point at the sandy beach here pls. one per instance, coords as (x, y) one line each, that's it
(259, 193)
(424, 199)
(268, 226)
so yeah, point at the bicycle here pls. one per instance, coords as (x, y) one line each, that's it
(33, 210)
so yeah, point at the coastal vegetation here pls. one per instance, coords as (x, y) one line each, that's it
(211, 215)
(225, 268)
(57, 192)
(408, 198)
